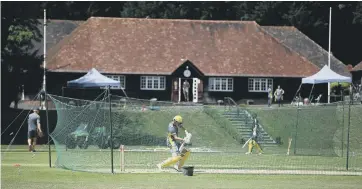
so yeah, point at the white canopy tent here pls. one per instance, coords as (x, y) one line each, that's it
(325, 75)
(93, 79)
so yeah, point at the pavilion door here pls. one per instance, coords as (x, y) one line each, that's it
(195, 91)
(175, 94)
(200, 90)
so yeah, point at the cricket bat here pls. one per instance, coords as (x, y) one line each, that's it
(246, 142)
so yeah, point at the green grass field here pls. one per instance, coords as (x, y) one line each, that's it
(93, 159)
(34, 172)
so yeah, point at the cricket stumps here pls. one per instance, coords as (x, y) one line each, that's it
(289, 144)
(121, 150)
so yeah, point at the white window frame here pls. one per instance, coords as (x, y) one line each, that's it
(117, 78)
(259, 82)
(153, 80)
(216, 84)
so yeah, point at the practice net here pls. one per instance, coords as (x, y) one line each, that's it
(312, 138)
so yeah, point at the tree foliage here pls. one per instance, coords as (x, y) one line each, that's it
(358, 14)
(18, 30)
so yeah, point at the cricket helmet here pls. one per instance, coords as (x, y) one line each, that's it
(178, 119)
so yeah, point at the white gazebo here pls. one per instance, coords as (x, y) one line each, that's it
(93, 79)
(325, 75)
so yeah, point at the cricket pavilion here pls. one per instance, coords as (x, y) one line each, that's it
(153, 57)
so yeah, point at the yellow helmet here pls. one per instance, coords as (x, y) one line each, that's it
(178, 119)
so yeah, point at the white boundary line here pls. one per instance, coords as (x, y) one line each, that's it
(196, 150)
(213, 171)
(248, 171)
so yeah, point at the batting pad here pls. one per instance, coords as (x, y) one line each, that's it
(183, 159)
(170, 161)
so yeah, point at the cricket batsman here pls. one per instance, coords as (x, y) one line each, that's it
(253, 141)
(176, 145)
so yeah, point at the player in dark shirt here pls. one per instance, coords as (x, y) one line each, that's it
(34, 129)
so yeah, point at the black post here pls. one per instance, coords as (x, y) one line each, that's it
(110, 121)
(62, 91)
(296, 132)
(47, 116)
(349, 124)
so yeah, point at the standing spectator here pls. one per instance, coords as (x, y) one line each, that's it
(270, 96)
(279, 95)
(34, 129)
(185, 89)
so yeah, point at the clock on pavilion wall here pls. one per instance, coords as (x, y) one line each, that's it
(187, 72)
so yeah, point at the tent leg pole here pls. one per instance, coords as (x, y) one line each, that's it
(310, 94)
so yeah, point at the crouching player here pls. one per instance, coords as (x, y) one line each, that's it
(253, 141)
(176, 145)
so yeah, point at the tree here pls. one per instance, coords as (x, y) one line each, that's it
(158, 9)
(82, 10)
(19, 29)
(179, 10)
(358, 14)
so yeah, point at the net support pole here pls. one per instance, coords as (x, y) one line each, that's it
(121, 150)
(47, 117)
(348, 128)
(329, 51)
(342, 95)
(296, 132)
(45, 91)
(110, 121)
(342, 123)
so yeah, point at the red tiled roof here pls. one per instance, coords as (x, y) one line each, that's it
(56, 30)
(156, 46)
(358, 67)
(306, 47)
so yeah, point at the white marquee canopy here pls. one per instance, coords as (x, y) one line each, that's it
(93, 79)
(326, 75)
